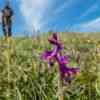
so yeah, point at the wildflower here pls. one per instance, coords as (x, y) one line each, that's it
(55, 54)
(54, 39)
(65, 71)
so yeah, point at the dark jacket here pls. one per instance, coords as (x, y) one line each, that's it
(7, 14)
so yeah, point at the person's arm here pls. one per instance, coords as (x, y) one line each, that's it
(12, 15)
(0, 17)
(11, 12)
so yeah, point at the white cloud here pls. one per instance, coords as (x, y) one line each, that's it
(32, 11)
(57, 12)
(91, 26)
(91, 9)
(66, 4)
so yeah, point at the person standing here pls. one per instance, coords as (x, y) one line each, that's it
(7, 14)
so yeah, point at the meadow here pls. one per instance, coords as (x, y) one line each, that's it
(25, 76)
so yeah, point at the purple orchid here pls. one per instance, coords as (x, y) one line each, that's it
(63, 60)
(65, 71)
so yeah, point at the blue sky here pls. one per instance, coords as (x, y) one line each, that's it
(57, 15)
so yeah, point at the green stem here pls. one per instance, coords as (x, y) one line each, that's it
(60, 88)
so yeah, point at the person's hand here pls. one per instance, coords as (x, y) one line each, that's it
(13, 18)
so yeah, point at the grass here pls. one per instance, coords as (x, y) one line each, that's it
(24, 76)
